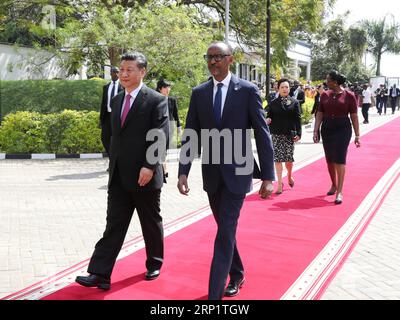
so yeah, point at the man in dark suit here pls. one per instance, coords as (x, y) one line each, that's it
(394, 94)
(274, 93)
(226, 104)
(136, 175)
(298, 93)
(164, 87)
(109, 91)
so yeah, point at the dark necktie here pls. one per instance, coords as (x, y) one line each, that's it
(218, 105)
(113, 90)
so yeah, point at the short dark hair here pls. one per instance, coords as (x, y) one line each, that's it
(337, 77)
(280, 81)
(162, 83)
(140, 58)
(114, 69)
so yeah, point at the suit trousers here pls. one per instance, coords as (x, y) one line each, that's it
(226, 260)
(106, 132)
(120, 208)
(364, 109)
(393, 101)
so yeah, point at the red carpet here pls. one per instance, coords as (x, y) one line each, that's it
(278, 238)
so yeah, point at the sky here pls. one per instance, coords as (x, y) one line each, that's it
(373, 10)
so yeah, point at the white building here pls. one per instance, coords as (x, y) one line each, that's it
(27, 63)
(251, 68)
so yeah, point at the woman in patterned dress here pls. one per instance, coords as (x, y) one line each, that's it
(284, 119)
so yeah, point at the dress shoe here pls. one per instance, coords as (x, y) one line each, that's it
(339, 199)
(152, 274)
(234, 287)
(94, 281)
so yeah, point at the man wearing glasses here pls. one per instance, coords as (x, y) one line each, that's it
(227, 103)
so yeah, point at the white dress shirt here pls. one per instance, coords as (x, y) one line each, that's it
(133, 95)
(110, 87)
(224, 90)
(366, 96)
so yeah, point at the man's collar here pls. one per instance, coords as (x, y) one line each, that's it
(135, 91)
(226, 81)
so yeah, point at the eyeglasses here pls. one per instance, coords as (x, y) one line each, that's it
(217, 57)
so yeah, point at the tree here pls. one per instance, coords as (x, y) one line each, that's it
(330, 48)
(357, 40)
(288, 17)
(247, 19)
(340, 48)
(381, 38)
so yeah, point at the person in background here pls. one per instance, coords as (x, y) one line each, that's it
(274, 93)
(284, 120)
(320, 90)
(381, 98)
(366, 102)
(297, 93)
(333, 110)
(164, 88)
(394, 94)
(110, 90)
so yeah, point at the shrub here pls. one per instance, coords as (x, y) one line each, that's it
(23, 132)
(307, 107)
(82, 134)
(70, 131)
(50, 96)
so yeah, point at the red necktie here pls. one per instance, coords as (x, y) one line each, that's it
(126, 109)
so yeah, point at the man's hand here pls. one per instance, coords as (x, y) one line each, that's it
(183, 185)
(145, 176)
(266, 189)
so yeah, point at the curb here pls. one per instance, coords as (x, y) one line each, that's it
(50, 156)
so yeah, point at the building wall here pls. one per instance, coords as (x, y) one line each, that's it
(24, 63)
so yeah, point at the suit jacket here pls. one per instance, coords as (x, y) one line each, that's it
(103, 108)
(397, 92)
(242, 110)
(128, 144)
(301, 96)
(285, 118)
(173, 111)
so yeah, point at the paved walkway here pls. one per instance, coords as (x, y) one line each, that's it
(52, 213)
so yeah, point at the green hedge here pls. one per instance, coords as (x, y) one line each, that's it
(67, 132)
(50, 96)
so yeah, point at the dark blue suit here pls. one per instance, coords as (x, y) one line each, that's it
(226, 189)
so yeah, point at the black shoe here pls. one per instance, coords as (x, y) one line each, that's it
(331, 191)
(152, 274)
(234, 287)
(94, 281)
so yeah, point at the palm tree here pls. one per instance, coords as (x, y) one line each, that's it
(381, 38)
(357, 38)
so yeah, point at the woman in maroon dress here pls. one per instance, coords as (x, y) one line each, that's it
(333, 110)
